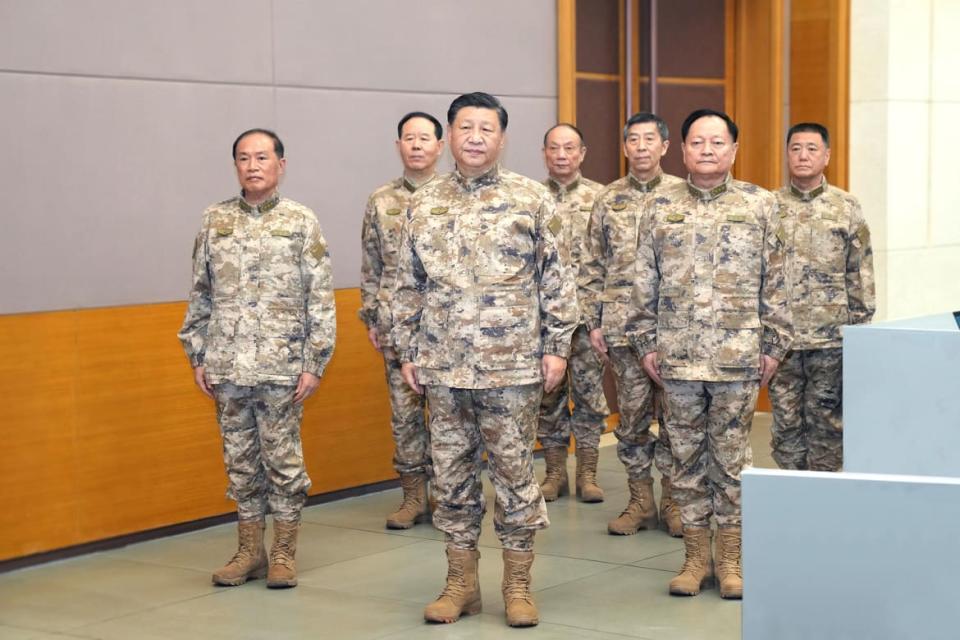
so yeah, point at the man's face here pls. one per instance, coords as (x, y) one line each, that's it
(476, 140)
(418, 146)
(643, 148)
(709, 150)
(807, 155)
(258, 167)
(563, 154)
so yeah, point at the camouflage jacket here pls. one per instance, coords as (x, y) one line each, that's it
(261, 308)
(711, 293)
(574, 204)
(482, 291)
(382, 220)
(829, 264)
(607, 268)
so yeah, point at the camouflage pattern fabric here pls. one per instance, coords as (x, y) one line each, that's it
(710, 293)
(411, 437)
(829, 264)
(380, 243)
(261, 308)
(501, 421)
(709, 428)
(260, 426)
(607, 266)
(482, 291)
(807, 398)
(637, 448)
(574, 203)
(584, 386)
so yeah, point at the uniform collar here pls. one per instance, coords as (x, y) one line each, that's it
(472, 184)
(807, 196)
(412, 186)
(646, 187)
(263, 207)
(556, 187)
(706, 195)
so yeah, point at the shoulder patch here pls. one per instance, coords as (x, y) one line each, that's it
(676, 217)
(282, 233)
(438, 211)
(318, 251)
(393, 212)
(863, 235)
(618, 206)
(736, 217)
(224, 231)
(781, 235)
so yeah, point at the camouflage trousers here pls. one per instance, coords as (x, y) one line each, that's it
(262, 452)
(637, 448)
(709, 426)
(502, 421)
(411, 438)
(807, 398)
(584, 385)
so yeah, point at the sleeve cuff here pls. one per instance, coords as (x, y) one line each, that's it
(774, 351)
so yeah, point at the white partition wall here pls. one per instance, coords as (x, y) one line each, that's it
(849, 556)
(901, 387)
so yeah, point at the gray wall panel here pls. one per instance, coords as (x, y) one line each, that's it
(175, 39)
(340, 146)
(109, 178)
(435, 46)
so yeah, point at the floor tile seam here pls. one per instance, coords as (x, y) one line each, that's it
(613, 563)
(579, 628)
(80, 628)
(154, 563)
(305, 568)
(384, 532)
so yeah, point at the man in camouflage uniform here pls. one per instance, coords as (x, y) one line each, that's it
(830, 272)
(419, 142)
(483, 312)
(710, 317)
(259, 331)
(606, 279)
(563, 153)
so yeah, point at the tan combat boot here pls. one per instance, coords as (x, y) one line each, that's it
(250, 560)
(697, 570)
(521, 609)
(641, 511)
(555, 483)
(415, 507)
(729, 571)
(283, 568)
(669, 511)
(461, 595)
(587, 488)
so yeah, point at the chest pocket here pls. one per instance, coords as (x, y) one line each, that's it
(280, 254)
(506, 242)
(675, 244)
(508, 332)
(828, 246)
(223, 248)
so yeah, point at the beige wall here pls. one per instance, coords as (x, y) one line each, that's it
(904, 136)
(118, 117)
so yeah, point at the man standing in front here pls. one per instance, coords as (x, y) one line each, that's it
(483, 312)
(259, 331)
(420, 143)
(710, 317)
(830, 271)
(606, 279)
(563, 153)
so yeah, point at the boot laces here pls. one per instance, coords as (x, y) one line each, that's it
(731, 552)
(410, 496)
(245, 551)
(693, 562)
(517, 587)
(456, 585)
(282, 552)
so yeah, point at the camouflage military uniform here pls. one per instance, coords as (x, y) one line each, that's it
(481, 294)
(386, 210)
(710, 297)
(584, 380)
(605, 280)
(261, 312)
(830, 272)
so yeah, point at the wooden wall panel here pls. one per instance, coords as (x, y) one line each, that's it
(106, 434)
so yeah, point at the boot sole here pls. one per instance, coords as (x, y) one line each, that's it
(470, 610)
(648, 525)
(593, 500)
(236, 582)
(527, 622)
(285, 584)
(706, 583)
(420, 519)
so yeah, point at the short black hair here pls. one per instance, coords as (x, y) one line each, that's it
(477, 99)
(568, 126)
(277, 143)
(812, 127)
(705, 113)
(646, 116)
(437, 127)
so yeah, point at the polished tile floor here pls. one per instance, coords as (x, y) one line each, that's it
(358, 580)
